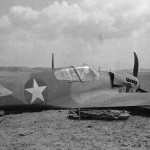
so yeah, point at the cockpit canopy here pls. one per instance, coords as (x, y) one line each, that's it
(80, 73)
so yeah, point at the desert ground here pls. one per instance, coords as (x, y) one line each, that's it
(52, 130)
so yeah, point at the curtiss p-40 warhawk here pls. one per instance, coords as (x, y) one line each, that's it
(71, 87)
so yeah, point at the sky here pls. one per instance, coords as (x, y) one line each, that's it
(100, 33)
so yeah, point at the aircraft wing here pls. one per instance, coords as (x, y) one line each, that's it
(103, 98)
(114, 99)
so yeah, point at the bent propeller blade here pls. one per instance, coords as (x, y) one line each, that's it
(136, 65)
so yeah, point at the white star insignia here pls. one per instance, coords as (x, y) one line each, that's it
(4, 91)
(36, 91)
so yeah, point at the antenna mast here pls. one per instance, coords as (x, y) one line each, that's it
(52, 60)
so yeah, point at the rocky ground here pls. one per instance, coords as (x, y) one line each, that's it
(52, 129)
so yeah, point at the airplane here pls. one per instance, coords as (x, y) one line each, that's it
(71, 87)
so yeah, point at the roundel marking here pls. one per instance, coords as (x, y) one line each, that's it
(35, 91)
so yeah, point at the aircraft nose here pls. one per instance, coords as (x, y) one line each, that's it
(136, 84)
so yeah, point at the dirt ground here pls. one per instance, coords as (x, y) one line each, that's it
(52, 129)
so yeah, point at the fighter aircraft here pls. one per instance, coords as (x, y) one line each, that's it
(71, 87)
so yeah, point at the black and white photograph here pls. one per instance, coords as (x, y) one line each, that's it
(74, 74)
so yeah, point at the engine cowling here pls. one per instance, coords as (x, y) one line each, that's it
(128, 81)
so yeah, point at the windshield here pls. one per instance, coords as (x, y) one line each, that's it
(83, 73)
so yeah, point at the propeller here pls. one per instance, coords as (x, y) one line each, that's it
(136, 65)
(141, 90)
(135, 73)
(118, 80)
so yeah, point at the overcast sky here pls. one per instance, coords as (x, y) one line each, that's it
(96, 32)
